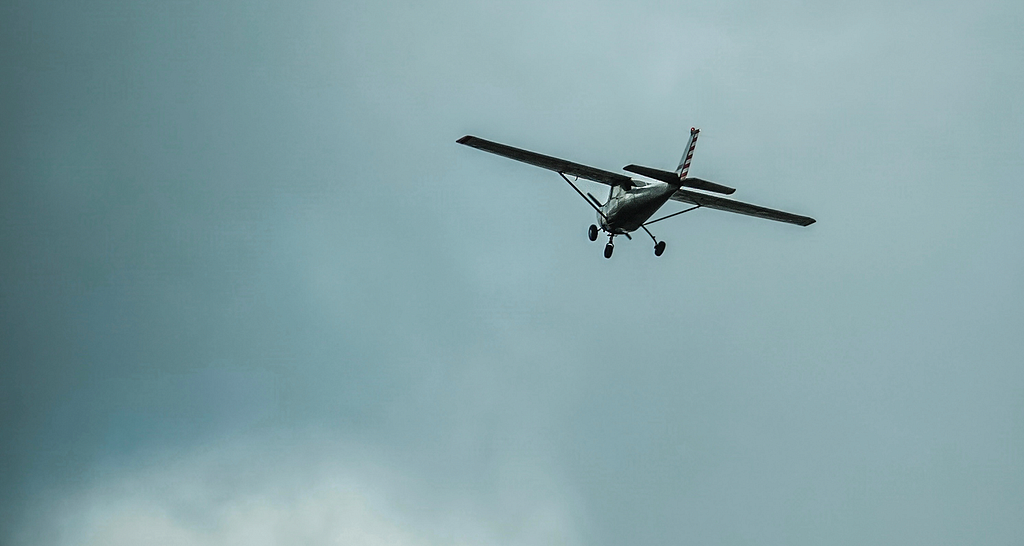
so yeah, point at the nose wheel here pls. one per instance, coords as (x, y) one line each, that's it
(659, 246)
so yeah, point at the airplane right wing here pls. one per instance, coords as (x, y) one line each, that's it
(548, 162)
(720, 203)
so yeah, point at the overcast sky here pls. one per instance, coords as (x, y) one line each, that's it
(253, 292)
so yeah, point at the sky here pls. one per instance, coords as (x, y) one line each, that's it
(253, 292)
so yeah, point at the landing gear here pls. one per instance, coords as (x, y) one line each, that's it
(592, 233)
(608, 248)
(659, 246)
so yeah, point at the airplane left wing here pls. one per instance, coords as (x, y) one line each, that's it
(720, 203)
(548, 162)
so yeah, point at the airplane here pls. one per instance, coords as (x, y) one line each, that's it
(632, 201)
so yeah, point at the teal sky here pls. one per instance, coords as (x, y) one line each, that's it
(253, 292)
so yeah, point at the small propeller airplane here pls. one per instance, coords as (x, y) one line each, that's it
(631, 201)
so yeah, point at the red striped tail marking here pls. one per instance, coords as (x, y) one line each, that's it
(684, 164)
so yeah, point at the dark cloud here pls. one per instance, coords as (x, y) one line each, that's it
(234, 224)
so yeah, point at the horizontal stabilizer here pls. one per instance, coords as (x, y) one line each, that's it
(719, 203)
(670, 177)
(701, 184)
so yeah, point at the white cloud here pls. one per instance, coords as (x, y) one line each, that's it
(323, 492)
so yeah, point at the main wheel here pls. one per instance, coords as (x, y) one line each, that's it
(608, 248)
(659, 248)
(592, 233)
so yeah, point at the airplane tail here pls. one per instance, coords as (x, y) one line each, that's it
(684, 163)
(680, 176)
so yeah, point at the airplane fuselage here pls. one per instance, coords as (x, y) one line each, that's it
(627, 210)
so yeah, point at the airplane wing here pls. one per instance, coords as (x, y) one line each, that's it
(721, 203)
(548, 162)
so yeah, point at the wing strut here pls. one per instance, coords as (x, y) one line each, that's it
(589, 202)
(670, 215)
(595, 207)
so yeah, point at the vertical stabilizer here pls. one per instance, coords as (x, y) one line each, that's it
(684, 164)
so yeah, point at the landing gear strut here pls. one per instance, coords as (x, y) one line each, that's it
(659, 246)
(592, 233)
